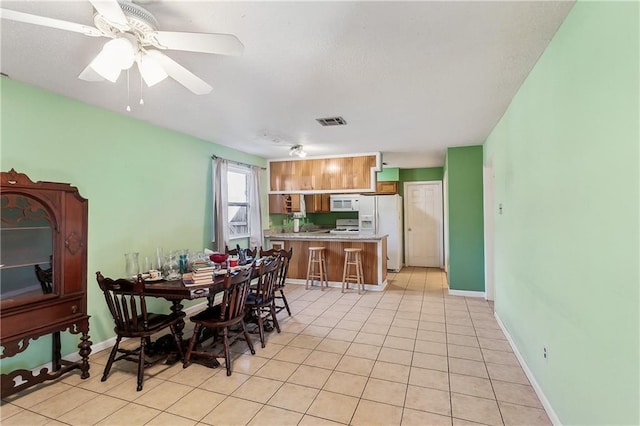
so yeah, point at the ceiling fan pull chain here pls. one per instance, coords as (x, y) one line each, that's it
(141, 100)
(128, 94)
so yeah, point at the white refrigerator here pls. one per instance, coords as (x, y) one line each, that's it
(382, 214)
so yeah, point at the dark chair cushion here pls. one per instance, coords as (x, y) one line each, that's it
(253, 299)
(209, 314)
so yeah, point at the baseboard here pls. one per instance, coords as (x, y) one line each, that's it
(334, 284)
(536, 387)
(467, 293)
(105, 344)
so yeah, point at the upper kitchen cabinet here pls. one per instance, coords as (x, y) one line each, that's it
(284, 203)
(388, 187)
(343, 174)
(317, 203)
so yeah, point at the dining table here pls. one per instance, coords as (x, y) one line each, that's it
(175, 291)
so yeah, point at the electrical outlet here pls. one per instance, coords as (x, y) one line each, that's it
(545, 353)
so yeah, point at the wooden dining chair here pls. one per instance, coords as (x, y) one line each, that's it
(282, 274)
(261, 301)
(223, 316)
(232, 252)
(126, 302)
(251, 253)
(236, 251)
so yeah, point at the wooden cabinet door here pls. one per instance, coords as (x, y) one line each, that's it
(387, 187)
(325, 203)
(318, 203)
(293, 203)
(284, 203)
(310, 203)
(276, 204)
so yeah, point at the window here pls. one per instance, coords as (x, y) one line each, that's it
(238, 201)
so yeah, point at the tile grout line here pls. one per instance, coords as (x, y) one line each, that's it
(485, 366)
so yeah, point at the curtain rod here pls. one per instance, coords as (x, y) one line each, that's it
(213, 157)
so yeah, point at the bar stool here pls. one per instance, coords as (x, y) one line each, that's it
(317, 268)
(353, 259)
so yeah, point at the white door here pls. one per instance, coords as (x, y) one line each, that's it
(423, 223)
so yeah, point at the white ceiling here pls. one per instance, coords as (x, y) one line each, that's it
(410, 78)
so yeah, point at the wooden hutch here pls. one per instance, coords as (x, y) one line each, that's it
(43, 270)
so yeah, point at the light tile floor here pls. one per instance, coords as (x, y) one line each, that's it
(411, 355)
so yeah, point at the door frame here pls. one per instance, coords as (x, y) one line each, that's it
(488, 192)
(438, 184)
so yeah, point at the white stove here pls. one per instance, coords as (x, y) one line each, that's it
(346, 226)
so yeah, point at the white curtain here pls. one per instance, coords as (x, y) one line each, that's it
(255, 212)
(220, 203)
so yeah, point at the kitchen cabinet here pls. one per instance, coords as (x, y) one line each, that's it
(387, 187)
(328, 174)
(317, 203)
(284, 203)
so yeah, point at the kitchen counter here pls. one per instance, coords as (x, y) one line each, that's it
(374, 255)
(324, 235)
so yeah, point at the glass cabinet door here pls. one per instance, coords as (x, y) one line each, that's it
(26, 248)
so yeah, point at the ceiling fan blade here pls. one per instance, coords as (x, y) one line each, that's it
(221, 44)
(49, 22)
(89, 74)
(181, 74)
(110, 10)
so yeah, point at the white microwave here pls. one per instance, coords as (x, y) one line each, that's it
(344, 203)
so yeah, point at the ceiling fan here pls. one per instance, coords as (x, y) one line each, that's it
(135, 38)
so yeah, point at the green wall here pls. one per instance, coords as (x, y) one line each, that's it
(277, 221)
(147, 187)
(421, 174)
(410, 175)
(565, 157)
(388, 174)
(466, 218)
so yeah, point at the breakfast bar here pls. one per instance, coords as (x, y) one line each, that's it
(374, 255)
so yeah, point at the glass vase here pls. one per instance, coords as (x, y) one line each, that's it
(132, 264)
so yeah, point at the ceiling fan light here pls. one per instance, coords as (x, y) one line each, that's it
(105, 67)
(297, 151)
(151, 70)
(120, 51)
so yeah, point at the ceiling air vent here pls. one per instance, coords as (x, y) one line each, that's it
(331, 121)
